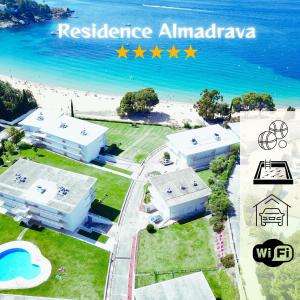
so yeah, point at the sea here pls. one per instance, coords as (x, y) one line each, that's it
(268, 64)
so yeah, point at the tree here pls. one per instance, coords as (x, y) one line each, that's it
(167, 155)
(252, 101)
(210, 104)
(291, 108)
(218, 165)
(142, 101)
(218, 203)
(14, 102)
(9, 147)
(15, 135)
(72, 109)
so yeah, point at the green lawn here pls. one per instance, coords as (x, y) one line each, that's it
(86, 266)
(110, 188)
(135, 143)
(112, 167)
(181, 247)
(205, 175)
(9, 229)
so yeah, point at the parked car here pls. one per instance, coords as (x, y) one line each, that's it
(271, 215)
(166, 162)
(156, 219)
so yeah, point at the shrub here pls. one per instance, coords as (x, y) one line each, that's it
(1, 161)
(187, 125)
(197, 126)
(150, 228)
(167, 155)
(211, 180)
(228, 261)
(24, 146)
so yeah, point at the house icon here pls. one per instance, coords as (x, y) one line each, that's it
(271, 210)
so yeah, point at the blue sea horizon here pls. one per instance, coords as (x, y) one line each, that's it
(268, 64)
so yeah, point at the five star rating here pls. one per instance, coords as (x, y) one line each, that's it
(173, 52)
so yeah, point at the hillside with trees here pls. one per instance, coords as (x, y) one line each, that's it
(24, 12)
(14, 102)
(142, 101)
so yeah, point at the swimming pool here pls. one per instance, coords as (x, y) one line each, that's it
(15, 263)
(22, 266)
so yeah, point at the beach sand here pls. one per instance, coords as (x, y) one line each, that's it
(100, 106)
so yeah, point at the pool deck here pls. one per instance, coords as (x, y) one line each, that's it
(36, 258)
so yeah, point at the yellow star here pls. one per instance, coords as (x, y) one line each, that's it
(156, 52)
(139, 52)
(173, 52)
(122, 52)
(190, 52)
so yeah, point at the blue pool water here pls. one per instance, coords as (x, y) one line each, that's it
(17, 263)
(269, 63)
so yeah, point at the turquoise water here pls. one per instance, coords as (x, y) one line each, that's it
(17, 263)
(268, 64)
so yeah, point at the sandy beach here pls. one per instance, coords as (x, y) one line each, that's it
(94, 105)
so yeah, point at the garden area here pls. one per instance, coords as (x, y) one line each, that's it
(85, 265)
(178, 250)
(134, 141)
(110, 188)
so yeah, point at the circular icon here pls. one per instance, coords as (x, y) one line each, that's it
(282, 144)
(267, 140)
(279, 128)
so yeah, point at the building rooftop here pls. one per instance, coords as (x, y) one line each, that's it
(58, 189)
(235, 127)
(203, 139)
(180, 186)
(65, 127)
(192, 286)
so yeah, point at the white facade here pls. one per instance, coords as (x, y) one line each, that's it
(77, 139)
(48, 196)
(197, 147)
(179, 194)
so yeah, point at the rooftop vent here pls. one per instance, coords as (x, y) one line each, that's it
(20, 178)
(195, 183)
(194, 141)
(83, 132)
(40, 189)
(40, 117)
(217, 137)
(63, 191)
(63, 125)
(169, 191)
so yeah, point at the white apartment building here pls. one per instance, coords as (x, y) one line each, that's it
(44, 195)
(179, 194)
(75, 138)
(197, 147)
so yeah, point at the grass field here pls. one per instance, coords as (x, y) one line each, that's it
(205, 175)
(86, 266)
(135, 143)
(110, 188)
(181, 247)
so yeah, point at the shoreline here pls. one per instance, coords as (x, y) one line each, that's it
(97, 105)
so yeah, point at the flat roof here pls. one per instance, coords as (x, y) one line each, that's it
(65, 127)
(180, 186)
(192, 286)
(203, 139)
(41, 184)
(235, 127)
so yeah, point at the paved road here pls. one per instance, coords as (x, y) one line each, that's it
(133, 221)
(234, 195)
